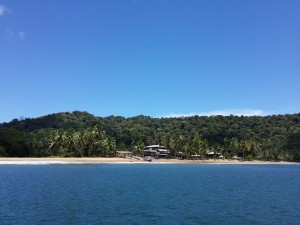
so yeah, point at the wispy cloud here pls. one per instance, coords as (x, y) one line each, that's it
(236, 112)
(3, 10)
(22, 35)
(10, 34)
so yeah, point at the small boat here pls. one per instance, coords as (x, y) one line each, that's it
(148, 158)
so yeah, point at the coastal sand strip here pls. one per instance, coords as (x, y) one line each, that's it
(114, 160)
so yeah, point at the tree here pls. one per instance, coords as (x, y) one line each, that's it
(138, 147)
(82, 134)
(3, 152)
(176, 143)
(293, 143)
(244, 147)
(199, 145)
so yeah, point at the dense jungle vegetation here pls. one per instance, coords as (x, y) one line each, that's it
(80, 134)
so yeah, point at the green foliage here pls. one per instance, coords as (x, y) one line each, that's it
(3, 152)
(249, 157)
(79, 134)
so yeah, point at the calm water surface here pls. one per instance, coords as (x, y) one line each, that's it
(149, 194)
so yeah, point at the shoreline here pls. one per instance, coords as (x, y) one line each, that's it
(115, 160)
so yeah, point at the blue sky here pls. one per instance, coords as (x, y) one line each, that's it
(156, 58)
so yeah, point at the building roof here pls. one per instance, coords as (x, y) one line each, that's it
(147, 150)
(124, 152)
(212, 153)
(163, 150)
(155, 146)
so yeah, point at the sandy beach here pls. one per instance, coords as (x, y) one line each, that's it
(115, 160)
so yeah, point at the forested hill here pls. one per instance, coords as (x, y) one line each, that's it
(82, 134)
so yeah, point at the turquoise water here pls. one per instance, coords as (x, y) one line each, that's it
(149, 194)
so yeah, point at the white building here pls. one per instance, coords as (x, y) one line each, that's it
(157, 151)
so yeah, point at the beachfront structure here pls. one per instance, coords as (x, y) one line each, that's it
(156, 151)
(196, 156)
(213, 155)
(123, 154)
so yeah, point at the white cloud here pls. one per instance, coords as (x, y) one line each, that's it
(236, 112)
(16, 35)
(22, 35)
(3, 10)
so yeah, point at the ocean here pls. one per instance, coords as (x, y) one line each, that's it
(149, 194)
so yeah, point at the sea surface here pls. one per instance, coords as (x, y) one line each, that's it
(149, 194)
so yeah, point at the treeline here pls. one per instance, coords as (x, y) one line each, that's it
(79, 134)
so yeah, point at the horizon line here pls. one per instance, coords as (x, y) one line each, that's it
(238, 113)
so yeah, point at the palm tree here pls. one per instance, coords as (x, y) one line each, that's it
(73, 143)
(199, 145)
(56, 140)
(138, 147)
(245, 147)
(89, 141)
(176, 143)
(112, 146)
(234, 146)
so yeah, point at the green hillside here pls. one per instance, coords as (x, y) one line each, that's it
(80, 134)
